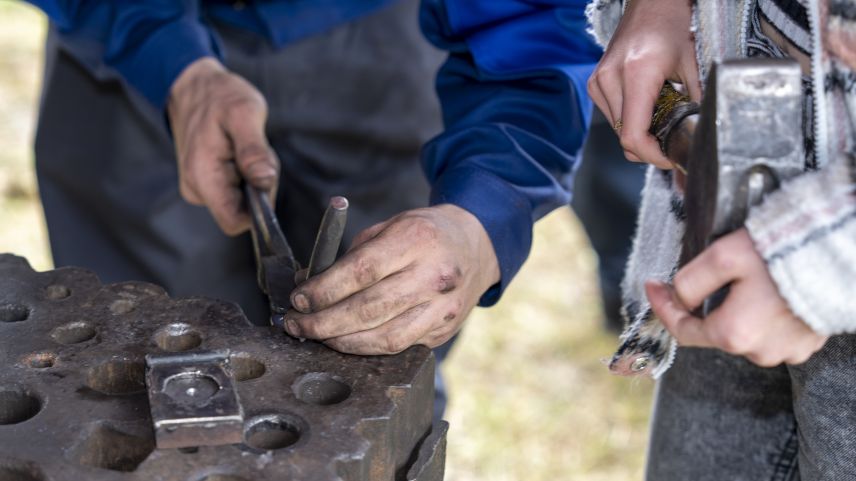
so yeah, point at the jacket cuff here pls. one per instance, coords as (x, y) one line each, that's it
(806, 233)
(161, 56)
(504, 213)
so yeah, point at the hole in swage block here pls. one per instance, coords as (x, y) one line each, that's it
(321, 388)
(118, 377)
(109, 448)
(14, 470)
(177, 337)
(122, 306)
(245, 367)
(272, 431)
(17, 405)
(57, 291)
(73, 333)
(14, 312)
(40, 360)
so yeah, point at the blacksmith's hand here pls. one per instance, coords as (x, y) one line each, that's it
(754, 320)
(653, 43)
(409, 280)
(218, 121)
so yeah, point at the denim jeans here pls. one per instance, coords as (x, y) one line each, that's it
(720, 417)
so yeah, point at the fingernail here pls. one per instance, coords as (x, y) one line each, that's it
(301, 303)
(291, 327)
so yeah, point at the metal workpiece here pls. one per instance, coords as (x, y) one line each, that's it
(193, 399)
(74, 402)
(329, 237)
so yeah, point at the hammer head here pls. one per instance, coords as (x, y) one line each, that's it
(748, 139)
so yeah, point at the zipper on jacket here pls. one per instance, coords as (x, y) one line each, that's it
(820, 127)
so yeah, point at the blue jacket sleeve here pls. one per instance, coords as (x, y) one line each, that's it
(147, 42)
(516, 112)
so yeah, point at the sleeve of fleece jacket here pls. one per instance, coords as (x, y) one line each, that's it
(149, 42)
(516, 111)
(806, 232)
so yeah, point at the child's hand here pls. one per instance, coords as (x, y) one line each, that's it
(653, 43)
(753, 321)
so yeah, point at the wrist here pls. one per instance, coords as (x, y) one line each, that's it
(189, 78)
(488, 272)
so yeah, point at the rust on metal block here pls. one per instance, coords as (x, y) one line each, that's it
(74, 403)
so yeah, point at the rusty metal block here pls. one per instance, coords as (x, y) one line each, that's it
(73, 401)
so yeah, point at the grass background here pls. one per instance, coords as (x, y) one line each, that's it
(531, 397)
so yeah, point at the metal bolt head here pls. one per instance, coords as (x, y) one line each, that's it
(640, 363)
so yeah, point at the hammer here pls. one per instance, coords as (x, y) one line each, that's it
(741, 144)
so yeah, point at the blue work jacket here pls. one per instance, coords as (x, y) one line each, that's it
(513, 90)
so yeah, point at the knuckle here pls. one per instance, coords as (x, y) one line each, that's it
(721, 258)
(253, 153)
(448, 278)
(395, 342)
(438, 338)
(311, 330)
(636, 63)
(422, 230)
(605, 71)
(453, 312)
(631, 140)
(365, 270)
(592, 84)
(368, 310)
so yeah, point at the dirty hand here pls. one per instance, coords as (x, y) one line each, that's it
(409, 280)
(218, 121)
(753, 321)
(653, 43)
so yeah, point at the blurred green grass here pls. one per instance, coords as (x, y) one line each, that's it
(531, 398)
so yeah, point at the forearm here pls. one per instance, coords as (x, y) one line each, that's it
(516, 113)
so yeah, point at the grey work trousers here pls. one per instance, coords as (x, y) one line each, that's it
(349, 111)
(721, 418)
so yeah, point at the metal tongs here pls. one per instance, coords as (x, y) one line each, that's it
(276, 265)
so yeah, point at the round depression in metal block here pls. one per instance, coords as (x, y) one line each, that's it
(39, 360)
(73, 333)
(177, 337)
(321, 388)
(108, 447)
(272, 431)
(118, 377)
(17, 405)
(10, 312)
(245, 367)
(57, 291)
(16, 470)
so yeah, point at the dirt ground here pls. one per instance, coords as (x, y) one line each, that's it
(531, 397)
